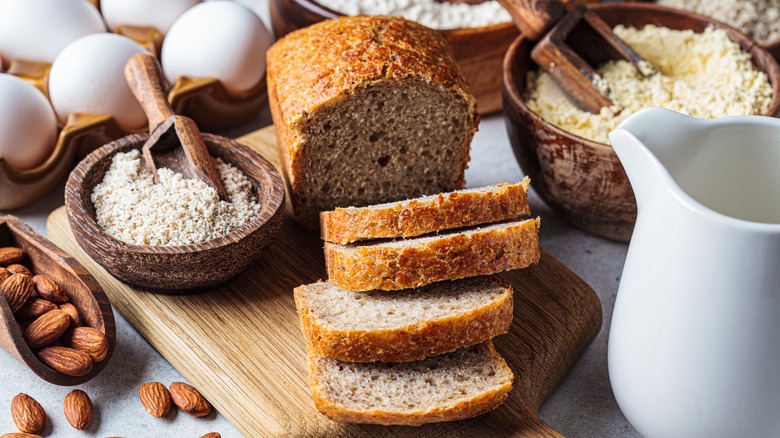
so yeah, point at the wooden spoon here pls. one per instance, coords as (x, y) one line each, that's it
(570, 43)
(175, 140)
(84, 292)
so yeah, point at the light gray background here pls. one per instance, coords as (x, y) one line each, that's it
(583, 406)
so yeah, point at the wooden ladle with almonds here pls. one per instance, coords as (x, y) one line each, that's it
(570, 42)
(174, 141)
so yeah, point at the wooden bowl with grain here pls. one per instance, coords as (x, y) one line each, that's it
(83, 291)
(581, 179)
(180, 269)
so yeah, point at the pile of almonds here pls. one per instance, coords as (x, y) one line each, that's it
(49, 323)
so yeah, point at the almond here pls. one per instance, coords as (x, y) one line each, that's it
(28, 414)
(10, 255)
(78, 409)
(70, 309)
(189, 400)
(48, 289)
(47, 329)
(17, 290)
(66, 360)
(89, 340)
(212, 435)
(4, 273)
(36, 307)
(155, 398)
(18, 269)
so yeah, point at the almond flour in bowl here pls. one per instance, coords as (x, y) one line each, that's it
(704, 75)
(130, 207)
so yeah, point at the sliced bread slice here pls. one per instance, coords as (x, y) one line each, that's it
(415, 262)
(402, 326)
(449, 387)
(429, 214)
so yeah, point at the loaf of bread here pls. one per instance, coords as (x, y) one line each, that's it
(429, 214)
(403, 326)
(453, 386)
(418, 261)
(367, 110)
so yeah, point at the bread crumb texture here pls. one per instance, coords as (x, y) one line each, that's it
(452, 386)
(704, 75)
(178, 211)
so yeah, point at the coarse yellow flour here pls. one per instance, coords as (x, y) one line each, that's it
(704, 75)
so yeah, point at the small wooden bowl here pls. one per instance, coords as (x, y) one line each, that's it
(176, 269)
(581, 179)
(82, 288)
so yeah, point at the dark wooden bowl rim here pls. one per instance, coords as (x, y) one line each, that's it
(135, 141)
(512, 87)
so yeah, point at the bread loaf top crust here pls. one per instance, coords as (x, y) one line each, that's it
(314, 65)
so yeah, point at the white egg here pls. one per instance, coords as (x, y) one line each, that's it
(37, 30)
(88, 77)
(28, 127)
(151, 13)
(223, 40)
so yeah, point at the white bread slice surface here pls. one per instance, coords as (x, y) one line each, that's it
(406, 325)
(416, 262)
(449, 387)
(428, 214)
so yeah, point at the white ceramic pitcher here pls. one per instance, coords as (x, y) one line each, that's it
(694, 345)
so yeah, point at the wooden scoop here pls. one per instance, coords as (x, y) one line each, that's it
(175, 140)
(570, 43)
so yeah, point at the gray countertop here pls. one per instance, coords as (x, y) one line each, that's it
(583, 405)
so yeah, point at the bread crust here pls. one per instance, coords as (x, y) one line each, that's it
(317, 67)
(472, 407)
(410, 343)
(426, 215)
(449, 257)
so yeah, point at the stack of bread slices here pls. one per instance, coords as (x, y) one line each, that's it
(401, 333)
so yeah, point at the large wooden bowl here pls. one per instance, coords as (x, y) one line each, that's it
(82, 289)
(581, 179)
(177, 269)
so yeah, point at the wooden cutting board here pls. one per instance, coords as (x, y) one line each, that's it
(242, 347)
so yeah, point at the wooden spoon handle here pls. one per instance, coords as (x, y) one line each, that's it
(144, 76)
(534, 17)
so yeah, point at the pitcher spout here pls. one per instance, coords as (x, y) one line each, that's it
(647, 143)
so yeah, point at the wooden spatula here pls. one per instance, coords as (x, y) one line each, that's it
(571, 43)
(174, 141)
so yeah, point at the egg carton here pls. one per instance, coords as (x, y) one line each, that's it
(205, 100)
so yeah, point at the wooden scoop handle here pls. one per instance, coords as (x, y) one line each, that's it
(534, 17)
(144, 76)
